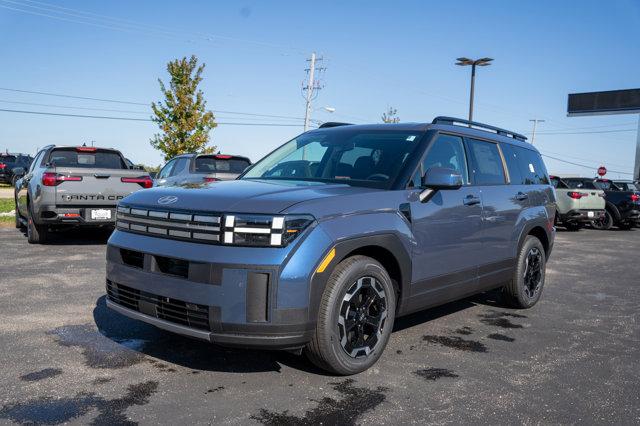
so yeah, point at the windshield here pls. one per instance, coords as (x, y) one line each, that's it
(351, 156)
(574, 183)
(84, 157)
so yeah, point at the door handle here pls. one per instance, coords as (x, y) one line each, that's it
(471, 200)
(521, 196)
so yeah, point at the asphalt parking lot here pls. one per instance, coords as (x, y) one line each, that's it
(573, 358)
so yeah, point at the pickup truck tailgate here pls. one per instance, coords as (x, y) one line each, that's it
(95, 187)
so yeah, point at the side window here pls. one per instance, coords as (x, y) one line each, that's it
(179, 167)
(513, 164)
(486, 163)
(447, 152)
(532, 167)
(166, 170)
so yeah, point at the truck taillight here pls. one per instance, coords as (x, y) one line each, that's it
(86, 149)
(143, 181)
(635, 198)
(576, 195)
(2, 166)
(55, 179)
(210, 179)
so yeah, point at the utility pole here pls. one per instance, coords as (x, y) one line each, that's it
(533, 133)
(311, 88)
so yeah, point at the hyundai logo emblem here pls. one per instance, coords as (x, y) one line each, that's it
(167, 199)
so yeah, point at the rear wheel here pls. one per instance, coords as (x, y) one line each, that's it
(355, 317)
(36, 234)
(525, 288)
(604, 223)
(573, 226)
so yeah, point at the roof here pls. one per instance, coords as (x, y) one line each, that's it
(439, 123)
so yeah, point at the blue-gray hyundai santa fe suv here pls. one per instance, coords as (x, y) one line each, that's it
(325, 241)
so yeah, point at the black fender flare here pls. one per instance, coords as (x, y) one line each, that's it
(387, 241)
(526, 230)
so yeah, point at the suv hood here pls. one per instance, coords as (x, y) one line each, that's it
(241, 196)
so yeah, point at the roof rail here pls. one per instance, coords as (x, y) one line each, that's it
(452, 122)
(333, 124)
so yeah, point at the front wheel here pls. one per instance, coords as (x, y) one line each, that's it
(355, 317)
(604, 223)
(525, 288)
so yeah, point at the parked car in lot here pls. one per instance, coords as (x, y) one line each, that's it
(577, 204)
(198, 168)
(627, 185)
(8, 162)
(320, 245)
(622, 208)
(73, 186)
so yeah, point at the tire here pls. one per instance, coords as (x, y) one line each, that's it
(604, 224)
(572, 226)
(36, 234)
(353, 281)
(18, 222)
(521, 293)
(625, 226)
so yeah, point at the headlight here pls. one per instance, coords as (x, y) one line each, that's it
(263, 230)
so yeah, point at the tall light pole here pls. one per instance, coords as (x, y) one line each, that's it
(533, 133)
(482, 62)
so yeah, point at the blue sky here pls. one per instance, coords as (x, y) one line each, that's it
(376, 54)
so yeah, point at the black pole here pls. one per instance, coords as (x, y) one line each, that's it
(473, 82)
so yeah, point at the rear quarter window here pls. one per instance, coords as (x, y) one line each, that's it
(99, 159)
(206, 164)
(532, 168)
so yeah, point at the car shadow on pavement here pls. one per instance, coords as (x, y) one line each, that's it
(165, 350)
(165, 347)
(77, 236)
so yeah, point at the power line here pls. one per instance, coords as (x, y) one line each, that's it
(74, 107)
(60, 95)
(140, 119)
(585, 159)
(118, 24)
(582, 165)
(73, 97)
(586, 133)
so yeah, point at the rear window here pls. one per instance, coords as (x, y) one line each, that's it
(628, 186)
(607, 185)
(213, 164)
(525, 166)
(558, 183)
(579, 183)
(7, 158)
(99, 159)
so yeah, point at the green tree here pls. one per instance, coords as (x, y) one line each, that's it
(390, 116)
(183, 119)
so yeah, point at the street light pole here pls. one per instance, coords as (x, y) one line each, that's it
(482, 62)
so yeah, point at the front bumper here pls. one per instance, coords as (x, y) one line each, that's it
(582, 216)
(232, 296)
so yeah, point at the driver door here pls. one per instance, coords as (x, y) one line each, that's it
(447, 229)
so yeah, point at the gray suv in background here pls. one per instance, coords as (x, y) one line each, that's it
(199, 168)
(73, 186)
(320, 245)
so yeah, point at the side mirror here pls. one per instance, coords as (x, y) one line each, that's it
(18, 171)
(439, 178)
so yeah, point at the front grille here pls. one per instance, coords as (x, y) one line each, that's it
(175, 225)
(173, 310)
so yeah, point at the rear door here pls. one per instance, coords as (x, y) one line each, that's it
(501, 208)
(447, 229)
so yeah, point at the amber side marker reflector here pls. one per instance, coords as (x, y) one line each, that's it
(326, 261)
